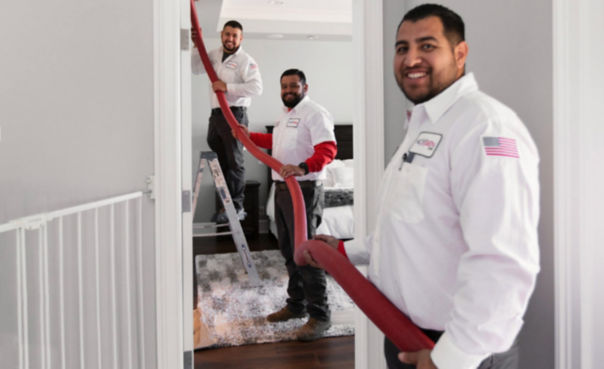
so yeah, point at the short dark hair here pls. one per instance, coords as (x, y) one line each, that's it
(234, 24)
(294, 71)
(453, 25)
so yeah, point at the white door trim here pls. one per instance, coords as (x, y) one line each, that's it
(186, 175)
(578, 36)
(168, 215)
(368, 152)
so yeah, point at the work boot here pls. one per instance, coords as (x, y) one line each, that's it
(283, 315)
(312, 330)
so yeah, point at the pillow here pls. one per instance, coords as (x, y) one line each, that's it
(343, 177)
(330, 178)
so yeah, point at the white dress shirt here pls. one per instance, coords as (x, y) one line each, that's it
(239, 71)
(455, 245)
(297, 132)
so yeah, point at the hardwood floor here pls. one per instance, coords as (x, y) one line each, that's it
(326, 353)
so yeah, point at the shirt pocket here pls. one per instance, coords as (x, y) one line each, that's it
(406, 194)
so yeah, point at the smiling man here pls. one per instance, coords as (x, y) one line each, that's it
(455, 242)
(304, 141)
(239, 78)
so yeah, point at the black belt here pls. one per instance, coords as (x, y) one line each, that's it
(433, 335)
(280, 185)
(233, 109)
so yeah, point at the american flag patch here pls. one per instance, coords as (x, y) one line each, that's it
(500, 146)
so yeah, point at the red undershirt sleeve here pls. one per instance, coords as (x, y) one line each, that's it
(342, 249)
(325, 152)
(263, 140)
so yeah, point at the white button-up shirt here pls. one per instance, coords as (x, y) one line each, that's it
(239, 71)
(455, 245)
(297, 132)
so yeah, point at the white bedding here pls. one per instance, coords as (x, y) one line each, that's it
(337, 221)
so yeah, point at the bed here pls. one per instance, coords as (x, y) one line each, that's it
(339, 190)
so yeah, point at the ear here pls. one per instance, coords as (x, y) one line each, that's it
(461, 53)
(305, 87)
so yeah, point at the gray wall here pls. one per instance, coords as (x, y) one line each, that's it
(76, 102)
(511, 56)
(76, 111)
(328, 68)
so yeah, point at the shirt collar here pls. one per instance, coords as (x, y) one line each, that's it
(298, 106)
(239, 49)
(439, 104)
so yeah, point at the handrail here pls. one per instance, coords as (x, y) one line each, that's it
(395, 325)
(32, 221)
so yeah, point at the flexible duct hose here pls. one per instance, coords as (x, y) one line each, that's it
(395, 325)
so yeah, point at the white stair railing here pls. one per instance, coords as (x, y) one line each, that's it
(72, 286)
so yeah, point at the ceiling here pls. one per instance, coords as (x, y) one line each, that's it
(326, 20)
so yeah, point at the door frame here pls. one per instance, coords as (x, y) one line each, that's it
(368, 142)
(578, 78)
(168, 184)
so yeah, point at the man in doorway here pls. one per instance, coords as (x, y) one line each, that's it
(239, 78)
(304, 141)
(455, 243)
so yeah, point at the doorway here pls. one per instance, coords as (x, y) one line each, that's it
(274, 52)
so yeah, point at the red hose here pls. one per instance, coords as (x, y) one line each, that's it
(395, 325)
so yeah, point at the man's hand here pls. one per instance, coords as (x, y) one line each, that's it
(331, 241)
(193, 34)
(421, 359)
(219, 86)
(291, 170)
(244, 129)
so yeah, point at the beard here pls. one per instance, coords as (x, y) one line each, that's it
(437, 83)
(292, 102)
(229, 50)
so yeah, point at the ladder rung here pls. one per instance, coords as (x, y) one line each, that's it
(212, 225)
(212, 234)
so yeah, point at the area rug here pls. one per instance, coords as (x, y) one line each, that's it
(231, 312)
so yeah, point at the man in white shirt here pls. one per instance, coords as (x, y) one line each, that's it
(455, 245)
(239, 78)
(304, 141)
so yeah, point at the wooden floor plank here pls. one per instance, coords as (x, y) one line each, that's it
(326, 353)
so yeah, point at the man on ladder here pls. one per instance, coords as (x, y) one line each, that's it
(239, 79)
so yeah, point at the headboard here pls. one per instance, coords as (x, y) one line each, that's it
(344, 139)
(343, 132)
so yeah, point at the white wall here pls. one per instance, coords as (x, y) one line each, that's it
(76, 102)
(511, 55)
(328, 69)
(76, 111)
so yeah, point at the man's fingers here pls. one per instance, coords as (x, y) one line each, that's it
(310, 260)
(330, 240)
(408, 357)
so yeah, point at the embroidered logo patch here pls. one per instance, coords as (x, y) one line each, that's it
(500, 146)
(426, 144)
(293, 122)
(231, 65)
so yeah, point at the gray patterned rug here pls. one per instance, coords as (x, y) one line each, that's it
(231, 312)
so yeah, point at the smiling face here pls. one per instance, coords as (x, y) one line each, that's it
(292, 90)
(425, 62)
(231, 39)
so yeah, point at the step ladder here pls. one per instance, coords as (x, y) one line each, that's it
(211, 159)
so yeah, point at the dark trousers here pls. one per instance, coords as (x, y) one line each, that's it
(229, 151)
(504, 360)
(307, 286)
